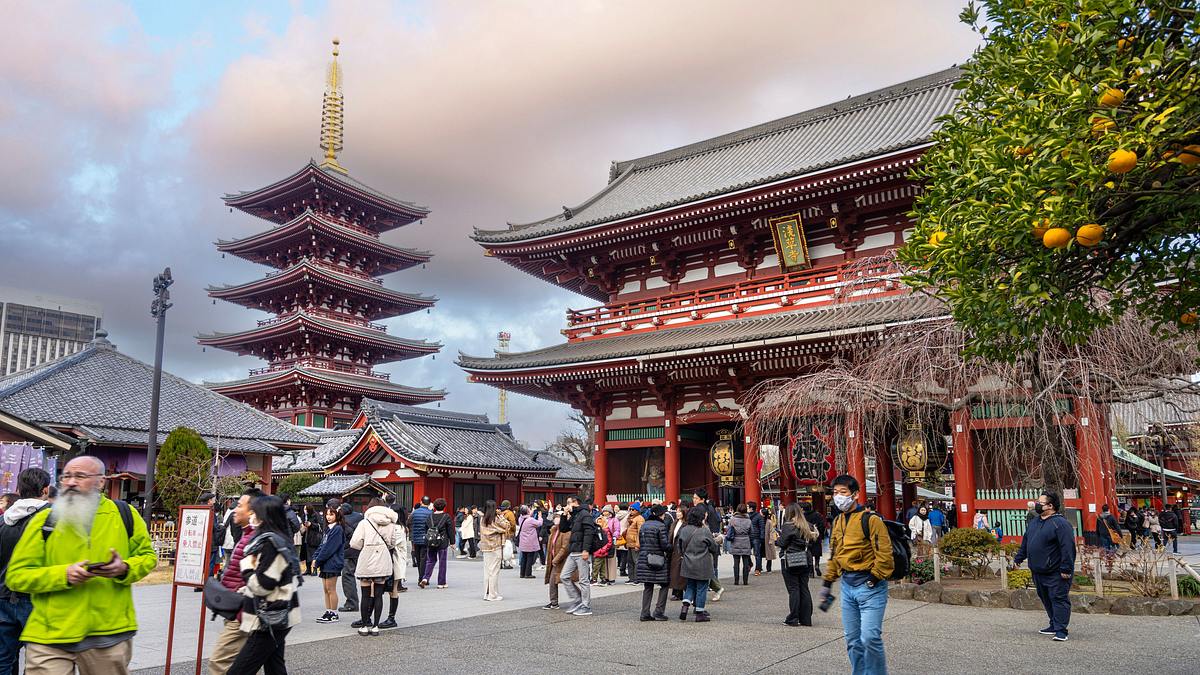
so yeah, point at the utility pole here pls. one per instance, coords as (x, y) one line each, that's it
(158, 310)
(502, 348)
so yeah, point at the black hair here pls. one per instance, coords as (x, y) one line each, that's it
(252, 492)
(425, 500)
(696, 517)
(741, 508)
(657, 511)
(285, 497)
(850, 482)
(439, 504)
(701, 493)
(52, 492)
(489, 512)
(389, 498)
(1055, 499)
(10, 498)
(271, 516)
(338, 517)
(574, 498)
(205, 496)
(31, 482)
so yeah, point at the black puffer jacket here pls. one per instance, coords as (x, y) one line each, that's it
(654, 538)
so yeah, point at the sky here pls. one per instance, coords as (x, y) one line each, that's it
(125, 123)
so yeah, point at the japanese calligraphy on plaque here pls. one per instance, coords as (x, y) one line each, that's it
(812, 452)
(192, 549)
(788, 234)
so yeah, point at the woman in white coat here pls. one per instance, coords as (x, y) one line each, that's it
(378, 540)
(922, 531)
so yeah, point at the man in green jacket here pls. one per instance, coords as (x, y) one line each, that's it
(78, 561)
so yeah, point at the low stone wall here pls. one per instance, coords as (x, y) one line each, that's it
(1027, 598)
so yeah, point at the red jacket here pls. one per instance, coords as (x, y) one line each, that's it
(232, 578)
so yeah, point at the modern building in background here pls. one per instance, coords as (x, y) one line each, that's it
(36, 328)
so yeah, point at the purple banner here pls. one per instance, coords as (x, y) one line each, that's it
(15, 458)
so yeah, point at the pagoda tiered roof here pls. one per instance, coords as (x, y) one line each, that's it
(324, 379)
(281, 246)
(382, 346)
(304, 278)
(887, 120)
(329, 190)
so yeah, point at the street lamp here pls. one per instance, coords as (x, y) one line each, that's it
(158, 310)
(1159, 441)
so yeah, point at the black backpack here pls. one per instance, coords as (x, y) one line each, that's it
(435, 536)
(901, 543)
(599, 540)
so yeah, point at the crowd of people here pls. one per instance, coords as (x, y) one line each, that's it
(1140, 527)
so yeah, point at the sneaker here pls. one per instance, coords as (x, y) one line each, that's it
(647, 618)
(358, 624)
(569, 608)
(702, 617)
(374, 631)
(716, 597)
(1060, 636)
(347, 608)
(661, 617)
(441, 585)
(587, 611)
(551, 605)
(364, 631)
(423, 583)
(388, 623)
(1048, 630)
(632, 583)
(327, 617)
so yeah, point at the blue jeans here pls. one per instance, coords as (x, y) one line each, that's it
(13, 615)
(696, 592)
(862, 619)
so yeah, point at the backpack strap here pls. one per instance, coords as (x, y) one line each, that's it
(122, 508)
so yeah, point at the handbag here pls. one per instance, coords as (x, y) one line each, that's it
(796, 558)
(656, 561)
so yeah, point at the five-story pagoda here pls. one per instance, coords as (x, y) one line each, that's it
(326, 249)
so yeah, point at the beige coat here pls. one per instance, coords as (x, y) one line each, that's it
(769, 550)
(491, 537)
(379, 540)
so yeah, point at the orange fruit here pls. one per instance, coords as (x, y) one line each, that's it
(1102, 125)
(1190, 155)
(1112, 98)
(1188, 318)
(1022, 151)
(1124, 43)
(1040, 227)
(936, 238)
(1089, 235)
(1122, 161)
(1056, 237)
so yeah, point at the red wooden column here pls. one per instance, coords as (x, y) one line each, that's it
(1092, 489)
(787, 483)
(601, 462)
(964, 466)
(265, 474)
(885, 484)
(671, 458)
(750, 468)
(856, 458)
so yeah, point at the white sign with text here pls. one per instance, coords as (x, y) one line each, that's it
(192, 550)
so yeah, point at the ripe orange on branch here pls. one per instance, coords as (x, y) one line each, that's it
(1056, 237)
(1040, 227)
(1122, 161)
(1188, 318)
(1102, 125)
(936, 238)
(1089, 235)
(1112, 98)
(1190, 155)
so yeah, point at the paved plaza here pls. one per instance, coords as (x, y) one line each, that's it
(453, 629)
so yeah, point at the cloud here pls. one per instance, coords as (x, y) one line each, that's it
(486, 112)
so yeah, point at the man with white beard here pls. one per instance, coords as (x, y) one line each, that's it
(78, 560)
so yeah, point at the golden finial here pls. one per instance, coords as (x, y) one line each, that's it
(331, 113)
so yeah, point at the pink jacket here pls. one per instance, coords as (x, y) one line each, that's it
(528, 541)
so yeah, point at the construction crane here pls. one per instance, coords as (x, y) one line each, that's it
(502, 348)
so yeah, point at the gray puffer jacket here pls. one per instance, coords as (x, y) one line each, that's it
(655, 538)
(738, 535)
(697, 548)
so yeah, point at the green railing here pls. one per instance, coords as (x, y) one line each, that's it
(1028, 494)
(635, 434)
(1012, 521)
(630, 497)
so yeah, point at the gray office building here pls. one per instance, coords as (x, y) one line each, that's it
(36, 327)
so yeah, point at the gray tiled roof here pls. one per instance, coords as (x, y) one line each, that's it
(337, 327)
(851, 315)
(890, 119)
(567, 470)
(329, 376)
(101, 388)
(113, 436)
(442, 440)
(325, 173)
(1172, 409)
(336, 486)
(334, 444)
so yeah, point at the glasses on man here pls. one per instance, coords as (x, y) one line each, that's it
(78, 476)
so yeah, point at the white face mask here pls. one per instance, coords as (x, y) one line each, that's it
(843, 502)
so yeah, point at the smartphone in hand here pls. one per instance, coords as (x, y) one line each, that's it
(95, 567)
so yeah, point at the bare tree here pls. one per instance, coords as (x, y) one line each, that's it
(575, 444)
(915, 376)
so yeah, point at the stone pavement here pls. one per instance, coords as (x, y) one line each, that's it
(745, 637)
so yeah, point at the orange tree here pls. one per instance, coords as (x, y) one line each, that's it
(1064, 189)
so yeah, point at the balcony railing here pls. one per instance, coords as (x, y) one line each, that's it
(322, 364)
(327, 314)
(848, 279)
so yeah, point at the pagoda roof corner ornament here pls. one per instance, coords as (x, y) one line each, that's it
(331, 114)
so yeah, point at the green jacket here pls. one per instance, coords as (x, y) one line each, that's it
(63, 614)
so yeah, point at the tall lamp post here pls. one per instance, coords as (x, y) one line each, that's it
(1159, 440)
(158, 310)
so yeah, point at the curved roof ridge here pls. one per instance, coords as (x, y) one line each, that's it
(311, 265)
(324, 220)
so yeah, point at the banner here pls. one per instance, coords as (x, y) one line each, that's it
(16, 457)
(788, 233)
(811, 455)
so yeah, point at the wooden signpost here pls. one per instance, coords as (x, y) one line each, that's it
(192, 553)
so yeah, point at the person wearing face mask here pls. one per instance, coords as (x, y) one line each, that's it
(922, 531)
(862, 558)
(1049, 546)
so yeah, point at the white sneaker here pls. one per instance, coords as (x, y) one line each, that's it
(364, 631)
(717, 594)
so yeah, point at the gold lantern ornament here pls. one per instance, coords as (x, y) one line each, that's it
(913, 453)
(721, 455)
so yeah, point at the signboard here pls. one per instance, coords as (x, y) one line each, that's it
(195, 543)
(788, 234)
(812, 452)
(721, 454)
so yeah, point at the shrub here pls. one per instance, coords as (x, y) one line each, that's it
(1189, 587)
(182, 469)
(922, 571)
(972, 549)
(293, 484)
(1083, 580)
(1010, 550)
(1019, 578)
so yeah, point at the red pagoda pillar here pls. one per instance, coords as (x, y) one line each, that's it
(885, 484)
(964, 466)
(671, 458)
(1092, 488)
(601, 463)
(750, 468)
(856, 458)
(787, 484)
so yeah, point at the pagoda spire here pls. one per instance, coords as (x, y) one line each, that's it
(331, 113)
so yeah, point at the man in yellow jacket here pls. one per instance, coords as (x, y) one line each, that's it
(864, 564)
(79, 561)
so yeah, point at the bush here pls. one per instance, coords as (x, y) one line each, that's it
(293, 484)
(972, 549)
(1019, 578)
(922, 571)
(182, 469)
(1010, 550)
(1189, 587)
